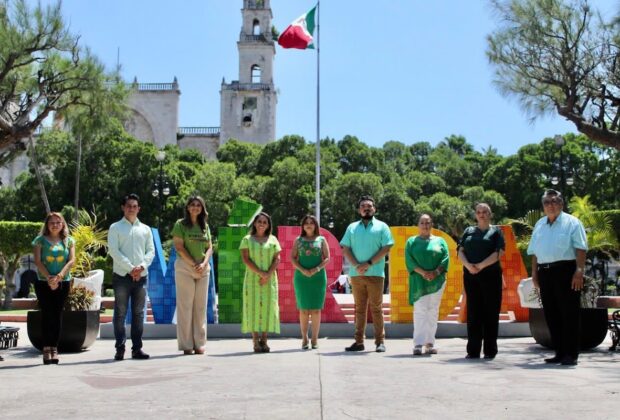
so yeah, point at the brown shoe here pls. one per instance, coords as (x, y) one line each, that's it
(264, 348)
(188, 352)
(257, 346)
(199, 350)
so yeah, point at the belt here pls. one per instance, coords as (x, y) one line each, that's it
(546, 266)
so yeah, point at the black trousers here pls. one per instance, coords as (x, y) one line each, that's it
(484, 301)
(51, 303)
(561, 307)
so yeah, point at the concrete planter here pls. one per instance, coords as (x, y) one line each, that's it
(79, 330)
(593, 327)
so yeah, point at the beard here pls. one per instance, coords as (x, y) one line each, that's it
(367, 216)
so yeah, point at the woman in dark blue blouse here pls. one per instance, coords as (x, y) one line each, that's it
(479, 250)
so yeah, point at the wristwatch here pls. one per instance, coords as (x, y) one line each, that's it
(579, 270)
(369, 262)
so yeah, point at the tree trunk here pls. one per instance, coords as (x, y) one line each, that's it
(37, 171)
(76, 203)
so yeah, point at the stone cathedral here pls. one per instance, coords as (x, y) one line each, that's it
(247, 105)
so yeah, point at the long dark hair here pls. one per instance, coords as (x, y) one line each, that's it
(253, 229)
(202, 217)
(317, 232)
(45, 230)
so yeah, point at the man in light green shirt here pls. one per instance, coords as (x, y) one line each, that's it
(130, 244)
(365, 245)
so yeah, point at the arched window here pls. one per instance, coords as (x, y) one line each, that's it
(256, 73)
(256, 27)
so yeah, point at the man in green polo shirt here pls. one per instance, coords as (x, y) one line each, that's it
(365, 245)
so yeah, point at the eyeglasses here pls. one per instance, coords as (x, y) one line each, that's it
(551, 201)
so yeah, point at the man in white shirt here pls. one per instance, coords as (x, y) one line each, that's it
(130, 244)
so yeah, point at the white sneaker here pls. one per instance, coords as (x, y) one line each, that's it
(417, 351)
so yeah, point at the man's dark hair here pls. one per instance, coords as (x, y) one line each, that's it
(552, 193)
(132, 196)
(365, 198)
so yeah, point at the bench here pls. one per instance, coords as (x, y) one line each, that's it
(611, 302)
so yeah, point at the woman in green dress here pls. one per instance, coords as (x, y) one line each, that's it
(427, 259)
(260, 252)
(310, 255)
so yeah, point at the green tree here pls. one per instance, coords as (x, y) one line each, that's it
(15, 241)
(558, 56)
(473, 195)
(214, 181)
(341, 195)
(289, 193)
(449, 214)
(43, 69)
(243, 155)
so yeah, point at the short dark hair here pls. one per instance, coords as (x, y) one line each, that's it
(132, 196)
(365, 198)
(552, 193)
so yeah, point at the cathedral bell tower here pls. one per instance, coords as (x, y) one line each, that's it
(248, 105)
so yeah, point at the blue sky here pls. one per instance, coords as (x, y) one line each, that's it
(406, 70)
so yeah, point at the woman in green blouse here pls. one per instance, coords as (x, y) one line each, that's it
(427, 259)
(54, 255)
(260, 252)
(310, 255)
(192, 241)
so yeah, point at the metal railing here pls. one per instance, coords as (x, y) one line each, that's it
(255, 38)
(200, 131)
(247, 86)
(154, 86)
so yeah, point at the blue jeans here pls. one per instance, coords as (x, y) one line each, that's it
(124, 289)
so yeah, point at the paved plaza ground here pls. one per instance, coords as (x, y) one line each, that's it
(231, 382)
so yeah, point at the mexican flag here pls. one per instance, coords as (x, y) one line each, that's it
(299, 33)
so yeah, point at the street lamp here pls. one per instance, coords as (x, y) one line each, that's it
(161, 188)
(564, 179)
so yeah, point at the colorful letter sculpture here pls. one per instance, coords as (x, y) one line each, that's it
(231, 272)
(162, 299)
(286, 271)
(231, 269)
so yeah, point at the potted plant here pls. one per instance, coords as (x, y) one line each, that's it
(601, 239)
(80, 325)
(593, 319)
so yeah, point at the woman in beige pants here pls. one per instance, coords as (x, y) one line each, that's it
(192, 241)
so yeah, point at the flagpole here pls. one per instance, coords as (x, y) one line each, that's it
(318, 116)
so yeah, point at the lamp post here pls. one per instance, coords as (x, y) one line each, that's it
(161, 188)
(565, 178)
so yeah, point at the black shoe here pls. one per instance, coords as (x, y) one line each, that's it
(569, 361)
(120, 354)
(489, 356)
(554, 359)
(139, 354)
(355, 347)
(380, 348)
(472, 356)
